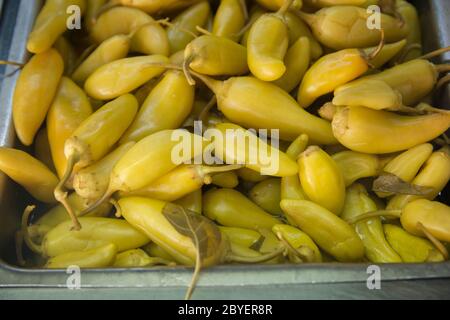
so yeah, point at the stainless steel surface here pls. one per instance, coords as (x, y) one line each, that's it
(237, 282)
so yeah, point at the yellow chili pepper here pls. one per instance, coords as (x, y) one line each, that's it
(255, 13)
(291, 187)
(341, 27)
(232, 209)
(241, 236)
(68, 110)
(151, 38)
(331, 3)
(376, 131)
(92, 182)
(92, 9)
(356, 165)
(322, 179)
(267, 45)
(37, 82)
(434, 174)
(51, 23)
(156, 251)
(42, 149)
(192, 201)
(179, 182)
(133, 73)
(267, 195)
(111, 49)
(142, 93)
(297, 62)
(96, 232)
(94, 138)
(433, 215)
(298, 239)
(235, 145)
(373, 94)
(410, 16)
(154, 7)
(67, 53)
(29, 172)
(297, 29)
(407, 164)
(256, 104)
(331, 233)
(403, 78)
(58, 214)
(137, 258)
(230, 18)
(277, 4)
(386, 54)
(370, 231)
(412, 249)
(213, 55)
(166, 107)
(94, 258)
(225, 179)
(179, 32)
(107, 25)
(250, 175)
(332, 71)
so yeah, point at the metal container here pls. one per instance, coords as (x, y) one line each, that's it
(309, 281)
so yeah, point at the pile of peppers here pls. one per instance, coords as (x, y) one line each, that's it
(363, 155)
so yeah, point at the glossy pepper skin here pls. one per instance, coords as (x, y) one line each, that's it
(107, 25)
(68, 110)
(133, 72)
(150, 39)
(376, 131)
(407, 164)
(29, 172)
(267, 45)
(241, 236)
(51, 23)
(267, 195)
(158, 6)
(342, 27)
(229, 19)
(254, 153)
(192, 201)
(411, 17)
(114, 48)
(253, 103)
(214, 56)
(297, 62)
(101, 257)
(322, 179)
(188, 20)
(356, 165)
(412, 249)
(433, 215)
(435, 174)
(331, 233)
(329, 72)
(166, 107)
(403, 78)
(230, 208)
(370, 231)
(96, 232)
(226, 180)
(37, 82)
(92, 182)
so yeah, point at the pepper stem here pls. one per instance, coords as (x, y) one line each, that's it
(259, 259)
(203, 31)
(284, 8)
(167, 23)
(206, 109)
(11, 63)
(86, 53)
(374, 214)
(408, 49)
(24, 231)
(187, 72)
(378, 49)
(213, 85)
(61, 192)
(118, 213)
(18, 238)
(438, 244)
(440, 68)
(98, 203)
(423, 107)
(435, 53)
(310, 19)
